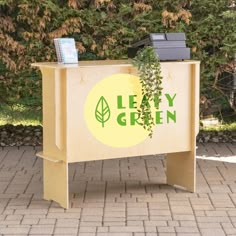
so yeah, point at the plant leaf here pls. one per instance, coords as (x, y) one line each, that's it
(102, 111)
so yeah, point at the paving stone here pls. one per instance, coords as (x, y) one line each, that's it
(208, 225)
(92, 218)
(231, 212)
(63, 215)
(114, 214)
(229, 228)
(2, 217)
(189, 234)
(160, 212)
(30, 221)
(188, 224)
(113, 219)
(230, 231)
(134, 223)
(92, 211)
(56, 210)
(19, 230)
(220, 189)
(209, 219)
(114, 223)
(64, 223)
(31, 212)
(37, 204)
(138, 217)
(87, 234)
(10, 222)
(126, 229)
(66, 231)
(212, 231)
(173, 223)
(184, 217)
(150, 229)
(43, 235)
(155, 223)
(88, 224)
(34, 216)
(14, 217)
(41, 230)
(111, 234)
(92, 229)
(203, 207)
(115, 206)
(167, 229)
(103, 229)
(139, 234)
(180, 210)
(160, 218)
(216, 213)
(137, 211)
(164, 234)
(184, 229)
(125, 197)
(47, 221)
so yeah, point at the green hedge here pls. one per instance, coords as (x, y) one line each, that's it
(104, 29)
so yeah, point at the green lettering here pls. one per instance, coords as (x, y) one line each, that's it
(170, 99)
(132, 102)
(120, 103)
(134, 117)
(121, 120)
(171, 116)
(159, 119)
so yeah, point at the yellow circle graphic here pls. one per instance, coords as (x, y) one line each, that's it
(111, 111)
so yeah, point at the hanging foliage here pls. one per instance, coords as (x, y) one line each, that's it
(149, 71)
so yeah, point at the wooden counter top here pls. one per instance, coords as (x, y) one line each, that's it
(100, 63)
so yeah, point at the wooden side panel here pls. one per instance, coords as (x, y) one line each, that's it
(55, 182)
(181, 170)
(54, 113)
(181, 167)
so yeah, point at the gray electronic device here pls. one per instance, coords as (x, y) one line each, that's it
(168, 46)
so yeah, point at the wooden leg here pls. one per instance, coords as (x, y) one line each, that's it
(55, 180)
(181, 170)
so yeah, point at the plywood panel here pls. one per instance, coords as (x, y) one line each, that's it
(55, 182)
(54, 115)
(166, 138)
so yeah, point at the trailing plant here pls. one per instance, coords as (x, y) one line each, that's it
(149, 70)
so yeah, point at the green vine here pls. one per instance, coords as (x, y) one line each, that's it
(149, 71)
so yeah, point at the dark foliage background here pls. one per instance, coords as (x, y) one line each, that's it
(104, 29)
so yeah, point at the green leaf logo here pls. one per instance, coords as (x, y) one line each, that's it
(102, 111)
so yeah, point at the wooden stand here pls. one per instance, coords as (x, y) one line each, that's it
(66, 137)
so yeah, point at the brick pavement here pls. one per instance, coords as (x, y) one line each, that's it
(121, 197)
